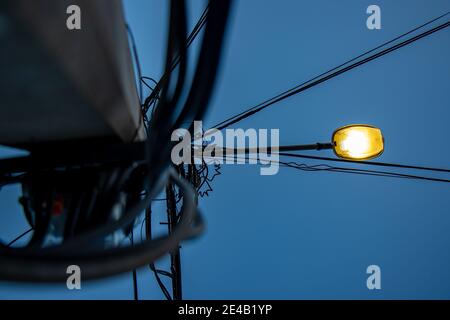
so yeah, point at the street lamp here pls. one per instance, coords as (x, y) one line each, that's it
(358, 142)
(352, 142)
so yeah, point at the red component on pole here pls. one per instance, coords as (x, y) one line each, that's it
(58, 205)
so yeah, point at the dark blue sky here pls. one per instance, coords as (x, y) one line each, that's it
(309, 234)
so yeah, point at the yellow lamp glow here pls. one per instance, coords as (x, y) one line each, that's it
(358, 142)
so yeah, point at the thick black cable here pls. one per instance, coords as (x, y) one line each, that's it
(161, 151)
(25, 264)
(158, 141)
(210, 54)
(203, 81)
(175, 62)
(176, 47)
(49, 264)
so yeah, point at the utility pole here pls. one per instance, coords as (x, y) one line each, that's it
(175, 259)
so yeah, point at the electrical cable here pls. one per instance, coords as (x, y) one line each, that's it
(195, 31)
(204, 76)
(135, 283)
(370, 163)
(360, 171)
(204, 79)
(24, 264)
(139, 71)
(49, 264)
(334, 72)
(323, 167)
(19, 237)
(136, 60)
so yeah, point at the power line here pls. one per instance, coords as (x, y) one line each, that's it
(154, 95)
(135, 283)
(360, 171)
(175, 267)
(136, 60)
(370, 163)
(334, 72)
(19, 237)
(190, 39)
(324, 167)
(199, 26)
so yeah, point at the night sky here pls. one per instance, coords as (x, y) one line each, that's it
(302, 235)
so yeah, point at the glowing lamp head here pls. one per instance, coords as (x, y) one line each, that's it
(358, 142)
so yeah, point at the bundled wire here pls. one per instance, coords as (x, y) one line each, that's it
(49, 264)
(367, 172)
(151, 99)
(206, 179)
